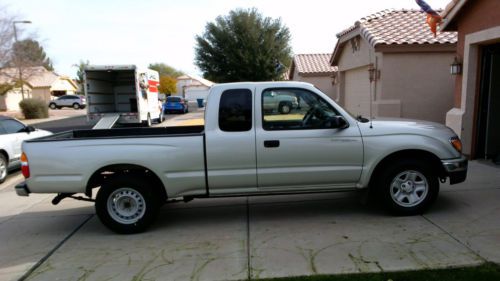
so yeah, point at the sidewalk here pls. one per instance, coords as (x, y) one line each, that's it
(57, 114)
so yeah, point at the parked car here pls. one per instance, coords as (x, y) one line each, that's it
(279, 102)
(12, 135)
(175, 104)
(242, 150)
(74, 101)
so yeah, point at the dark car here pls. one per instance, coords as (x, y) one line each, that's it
(175, 104)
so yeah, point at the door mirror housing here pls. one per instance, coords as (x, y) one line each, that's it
(29, 129)
(338, 122)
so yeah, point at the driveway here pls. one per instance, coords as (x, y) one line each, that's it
(238, 238)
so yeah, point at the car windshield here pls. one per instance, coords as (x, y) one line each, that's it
(173, 99)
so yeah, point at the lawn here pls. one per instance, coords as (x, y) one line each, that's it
(484, 272)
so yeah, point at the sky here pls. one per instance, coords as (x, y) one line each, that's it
(148, 31)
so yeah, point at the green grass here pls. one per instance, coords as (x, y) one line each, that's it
(484, 272)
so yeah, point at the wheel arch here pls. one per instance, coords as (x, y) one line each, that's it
(4, 153)
(108, 172)
(429, 157)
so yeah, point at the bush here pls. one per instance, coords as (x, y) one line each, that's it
(34, 109)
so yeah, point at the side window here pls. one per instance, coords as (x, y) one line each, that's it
(2, 130)
(295, 109)
(235, 110)
(12, 126)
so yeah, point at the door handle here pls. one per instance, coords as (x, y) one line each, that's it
(271, 143)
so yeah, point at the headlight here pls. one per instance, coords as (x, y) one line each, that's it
(456, 143)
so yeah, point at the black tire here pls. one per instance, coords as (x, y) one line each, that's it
(138, 191)
(285, 107)
(4, 168)
(52, 105)
(76, 106)
(400, 187)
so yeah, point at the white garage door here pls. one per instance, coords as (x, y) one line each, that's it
(357, 91)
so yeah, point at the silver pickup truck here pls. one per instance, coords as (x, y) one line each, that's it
(244, 150)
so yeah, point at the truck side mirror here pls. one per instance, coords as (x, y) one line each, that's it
(338, 122)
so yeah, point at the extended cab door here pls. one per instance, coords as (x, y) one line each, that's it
(230, 141)
(300, 150)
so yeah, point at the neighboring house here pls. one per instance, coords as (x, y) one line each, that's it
(40, 83)
(475, 116)
(314, 69)
(393, 58)
(192, 87)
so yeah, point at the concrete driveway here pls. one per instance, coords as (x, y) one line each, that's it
(241, 238)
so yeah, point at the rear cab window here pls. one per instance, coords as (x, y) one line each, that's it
(235, 110)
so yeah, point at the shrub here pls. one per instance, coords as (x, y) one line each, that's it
(34, 108)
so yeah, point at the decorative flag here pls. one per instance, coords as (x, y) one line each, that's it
(433, 18)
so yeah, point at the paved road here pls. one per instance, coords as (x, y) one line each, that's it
(237, 238)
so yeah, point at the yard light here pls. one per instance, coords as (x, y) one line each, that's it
(456, 67)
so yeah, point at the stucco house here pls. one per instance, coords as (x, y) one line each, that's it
(314, 69)
(475, 115)
(40, 84)
(392, 58)
(192, 87)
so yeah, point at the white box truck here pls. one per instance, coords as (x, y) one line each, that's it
(121, 94)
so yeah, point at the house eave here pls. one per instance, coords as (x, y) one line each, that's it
(450, 17)
(416, 48)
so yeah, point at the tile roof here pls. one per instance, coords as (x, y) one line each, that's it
(313, 64)
(398, 27)
(36, 76)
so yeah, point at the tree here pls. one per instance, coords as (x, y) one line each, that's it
(243, 46)
(29, 52)
(167, 85)
(80, 70)
(165, 70)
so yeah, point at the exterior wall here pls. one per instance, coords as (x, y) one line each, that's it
(42, 94)
(350, 59)
(475, 16)
(421, 82)
(10, 100)
(63, 85)
(324, 83)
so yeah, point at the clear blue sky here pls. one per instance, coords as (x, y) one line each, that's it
(141, 32)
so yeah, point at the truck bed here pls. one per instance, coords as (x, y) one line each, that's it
(123, 133)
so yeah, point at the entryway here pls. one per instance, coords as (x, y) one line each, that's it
(487, 145)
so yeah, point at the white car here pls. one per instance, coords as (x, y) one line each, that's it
(12, 135)
(74, 101)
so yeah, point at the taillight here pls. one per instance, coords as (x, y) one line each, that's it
(25, 168)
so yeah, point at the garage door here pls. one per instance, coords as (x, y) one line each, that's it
(357, 91)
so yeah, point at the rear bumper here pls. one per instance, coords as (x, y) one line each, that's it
(456, 169)
(22, 189)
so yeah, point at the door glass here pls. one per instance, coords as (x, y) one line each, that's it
(12, 126)
(235, 110)
(295, 109)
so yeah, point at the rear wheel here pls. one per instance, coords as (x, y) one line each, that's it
(408, 187)
(76, 106)
(148, 122)
(127, 204)
(3, 168)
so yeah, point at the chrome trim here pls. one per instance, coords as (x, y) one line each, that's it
(455, 165)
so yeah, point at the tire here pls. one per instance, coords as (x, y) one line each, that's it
(408, 187)
(148, 122)
(76, 106)
(4, 165)
(52, 105)
(127, 204)
(285, 108)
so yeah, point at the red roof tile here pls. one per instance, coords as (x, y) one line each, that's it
(397, 27)
(313, 64)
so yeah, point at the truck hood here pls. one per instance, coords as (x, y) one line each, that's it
(392, 126)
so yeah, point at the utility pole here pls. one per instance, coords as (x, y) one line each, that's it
(19, 64)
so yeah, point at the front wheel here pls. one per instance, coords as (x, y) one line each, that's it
(3, 168)
(127, 205)
(408, 187)
(52, 106)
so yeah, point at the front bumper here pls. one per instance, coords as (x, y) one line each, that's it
(456, 169)
(22, 189)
